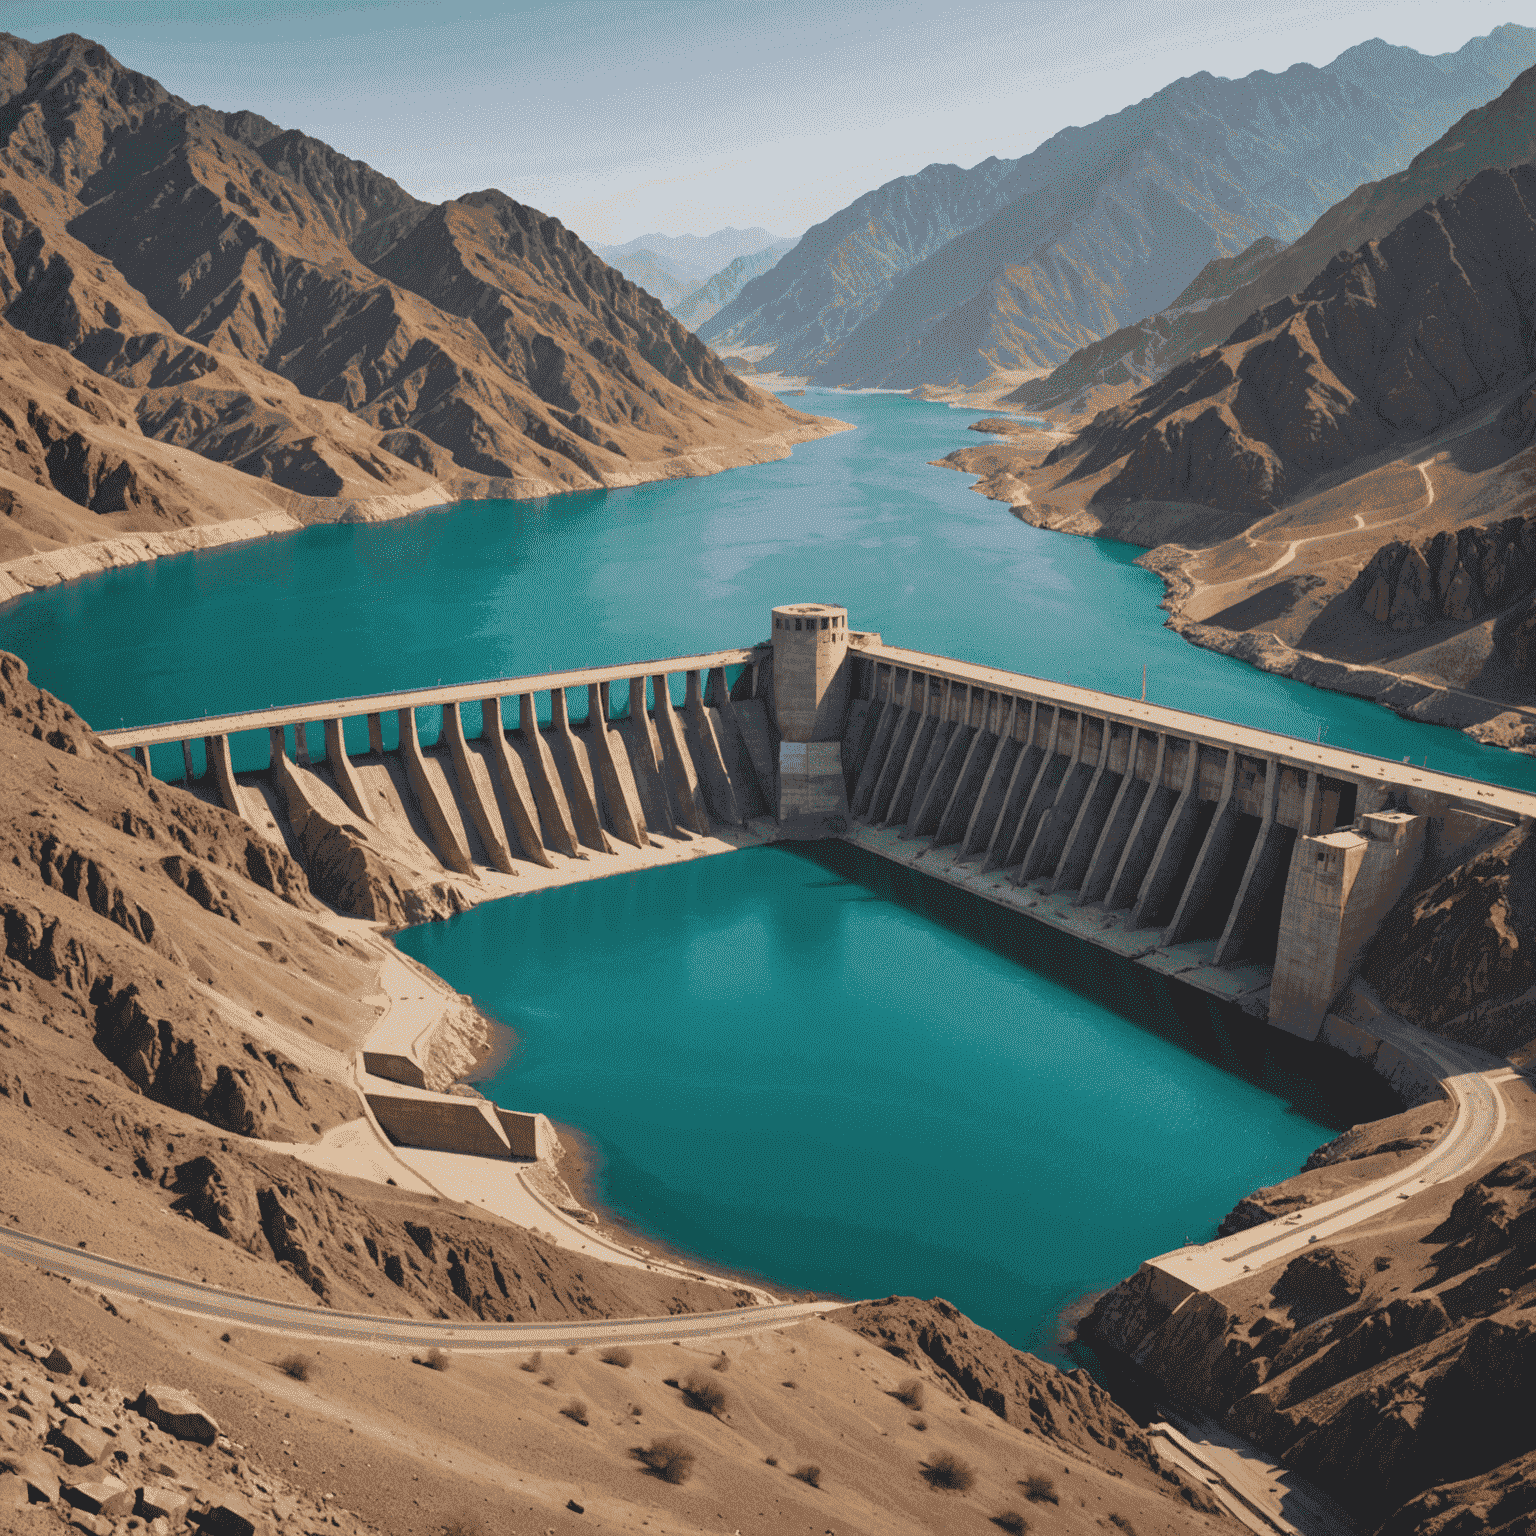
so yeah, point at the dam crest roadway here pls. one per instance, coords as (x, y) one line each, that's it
(1251, 866)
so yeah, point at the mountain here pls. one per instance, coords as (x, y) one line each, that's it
(181, 285)
(1102, 224)
(695, 257)
(1501, 133)
(645, 269)
(836, 276)
(1388, 343)
(697, 307)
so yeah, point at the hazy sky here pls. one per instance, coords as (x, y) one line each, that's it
(684, 116)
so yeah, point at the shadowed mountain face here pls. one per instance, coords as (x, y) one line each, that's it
(1104, 224)
(268, 303)
(1388, 343)
(1499, 134)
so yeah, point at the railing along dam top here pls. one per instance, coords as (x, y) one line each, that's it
(415, 698)
(1208, 730)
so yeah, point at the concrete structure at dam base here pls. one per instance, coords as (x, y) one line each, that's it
(1249, 865)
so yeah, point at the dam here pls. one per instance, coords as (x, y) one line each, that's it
(1249, 865)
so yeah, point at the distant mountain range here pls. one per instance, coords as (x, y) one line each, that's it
(197, 303)
(694, 275)
(950, 275)
(695, 308)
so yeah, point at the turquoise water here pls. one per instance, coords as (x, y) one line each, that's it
(820, 1068)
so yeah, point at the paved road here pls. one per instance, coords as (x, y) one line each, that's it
(1471, 1080)
(299, 1322)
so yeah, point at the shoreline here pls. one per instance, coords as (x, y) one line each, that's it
(1490, 722)
(293, 513)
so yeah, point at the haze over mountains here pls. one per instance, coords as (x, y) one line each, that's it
(199, 302)
(695, 275)
(950, 275)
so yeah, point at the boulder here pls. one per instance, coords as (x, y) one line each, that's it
(82, 1444)
(105, 1495)
(164, 1503)
(62, 1363)
(38, 1471)
(177, 1413)
(229, 1515)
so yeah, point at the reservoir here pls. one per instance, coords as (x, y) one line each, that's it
(800, 1062)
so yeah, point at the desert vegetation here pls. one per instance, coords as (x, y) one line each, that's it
(705, 1395)
(619, 1356)
(946, 1470)
(668, 1458)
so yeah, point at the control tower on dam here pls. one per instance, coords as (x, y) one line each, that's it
(1251, 865)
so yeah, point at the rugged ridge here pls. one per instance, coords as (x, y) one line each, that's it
(209, 289)
(1387, 344)
(1101, 225)
(1498, 134)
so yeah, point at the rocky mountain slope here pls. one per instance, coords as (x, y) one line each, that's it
(196, 291)
(1391, 1365)
(1104, 224)
(1389, 343)
(1500, 134)
(710, 298)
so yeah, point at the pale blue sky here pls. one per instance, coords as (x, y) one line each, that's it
(684, 116)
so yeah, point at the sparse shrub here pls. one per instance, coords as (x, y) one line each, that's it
(790, 1384)
(1011, 1521)
(532, 1363)
(464, 1526)
(772, 1461)
(1383, 1262)
(705, 1395)
(911, 1392)
(946, 1470)
(575, 1409)
(618, 1356)
(434, 1359)
(1121, 1523)
(722, 1362)
(920, 1425)
(668, 1458)
(810, 1473)
(1039, 1489)
(571, 1349)
(225, 1338)
(546, 1381)
(299, 1367)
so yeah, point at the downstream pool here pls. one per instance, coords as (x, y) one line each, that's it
(806, 1064)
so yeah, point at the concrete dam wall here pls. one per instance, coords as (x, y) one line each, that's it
(1251, 865)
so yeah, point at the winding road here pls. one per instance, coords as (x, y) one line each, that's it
(232, 1308)
(1318, 538)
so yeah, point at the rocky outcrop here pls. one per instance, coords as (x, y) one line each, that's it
(121, 901)
(1464, 574)
(1458, 953)
(1389, 343)
(1383, 1367)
